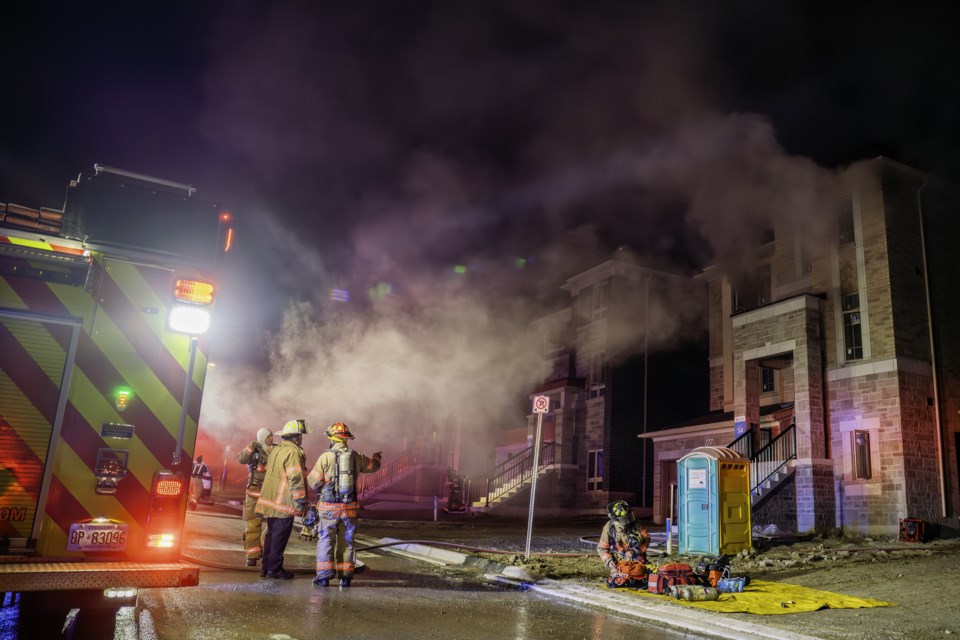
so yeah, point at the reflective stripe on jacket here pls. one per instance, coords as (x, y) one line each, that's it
(622, 545)
(323, 477)
(284, 482)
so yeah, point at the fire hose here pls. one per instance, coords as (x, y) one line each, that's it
(432, 543)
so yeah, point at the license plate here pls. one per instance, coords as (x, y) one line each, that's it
(87, 536)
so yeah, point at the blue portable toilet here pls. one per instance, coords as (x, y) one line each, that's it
(714, 502)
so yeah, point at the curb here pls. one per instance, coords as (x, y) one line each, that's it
(660, 613)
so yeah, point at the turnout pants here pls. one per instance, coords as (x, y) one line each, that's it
(253, 534)
(335, 554)
(275, 543)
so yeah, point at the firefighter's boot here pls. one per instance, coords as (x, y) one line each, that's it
(251, 562)
(321, 582)
(344, 583)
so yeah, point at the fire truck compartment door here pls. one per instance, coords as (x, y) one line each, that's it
(37, 351)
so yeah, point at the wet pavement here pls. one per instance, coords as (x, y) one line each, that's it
(577, 607)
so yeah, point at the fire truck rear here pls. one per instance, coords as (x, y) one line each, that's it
(105, 306)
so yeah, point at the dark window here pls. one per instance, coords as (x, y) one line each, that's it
(594, 470)
(845, 221)
(768, 379)
(861, 455)
(753, 291)
(852, 329)
(596, 374)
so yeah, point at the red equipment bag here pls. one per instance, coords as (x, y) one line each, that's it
(670, 575)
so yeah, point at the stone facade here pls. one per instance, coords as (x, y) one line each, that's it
(856, 344)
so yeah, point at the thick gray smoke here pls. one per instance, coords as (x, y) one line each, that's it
(449, 182)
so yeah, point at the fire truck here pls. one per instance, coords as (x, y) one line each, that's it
(105, 306)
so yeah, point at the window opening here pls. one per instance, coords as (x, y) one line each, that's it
(595, 470)
(861, 455)
(596, 374)
(852, 329)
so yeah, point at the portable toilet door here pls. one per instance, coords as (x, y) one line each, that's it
(698, 504)
(736, 530)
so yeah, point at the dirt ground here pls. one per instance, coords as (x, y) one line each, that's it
(921, 580)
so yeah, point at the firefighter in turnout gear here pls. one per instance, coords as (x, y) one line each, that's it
(255, 457)
(623, 546)
(334, 478)
(283, 496)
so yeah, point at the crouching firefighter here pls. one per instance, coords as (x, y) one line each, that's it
(623, 547)
(255, 457)
(334, 478)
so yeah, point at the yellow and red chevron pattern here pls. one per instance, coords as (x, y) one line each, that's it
(99, 324)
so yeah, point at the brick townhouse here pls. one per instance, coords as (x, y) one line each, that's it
(614, 368)
(836, 366)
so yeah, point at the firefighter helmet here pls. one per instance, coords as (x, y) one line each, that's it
(294, 428)
(620, 513)
(339, 431)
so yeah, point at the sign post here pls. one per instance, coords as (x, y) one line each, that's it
(541, 404)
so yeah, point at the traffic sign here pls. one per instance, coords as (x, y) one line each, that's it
(541, 404)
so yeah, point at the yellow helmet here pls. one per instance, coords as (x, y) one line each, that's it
(621, 513)
(339, 430)
(294, 428)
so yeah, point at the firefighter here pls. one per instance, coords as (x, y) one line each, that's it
(255, 457)
(334, 478)
(282, 496)
(455, 491)
(623, 546)
(202, 472)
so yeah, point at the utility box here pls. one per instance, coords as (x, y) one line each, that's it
(714, 502)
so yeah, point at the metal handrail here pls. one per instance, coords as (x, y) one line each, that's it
(773, 457)
(513, 473)
(743, 444)
(386, 474)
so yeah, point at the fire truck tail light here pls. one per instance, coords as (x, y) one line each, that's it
(162, 540)
(193, 291)
(167, 488)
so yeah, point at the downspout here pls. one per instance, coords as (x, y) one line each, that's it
(933, 358)
(646, 369)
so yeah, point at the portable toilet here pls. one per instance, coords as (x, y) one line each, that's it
(714, 502)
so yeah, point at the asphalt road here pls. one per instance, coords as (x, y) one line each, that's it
(394, 598)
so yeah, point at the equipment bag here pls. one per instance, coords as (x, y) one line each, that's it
(670, 575)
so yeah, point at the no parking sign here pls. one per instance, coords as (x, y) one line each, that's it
(541, 404)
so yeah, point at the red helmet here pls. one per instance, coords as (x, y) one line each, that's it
(339, 430)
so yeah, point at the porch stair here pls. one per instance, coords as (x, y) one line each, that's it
(509, 478)
(772, 465)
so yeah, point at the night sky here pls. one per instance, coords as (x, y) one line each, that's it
(374, 147)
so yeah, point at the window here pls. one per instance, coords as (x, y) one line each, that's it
(852, 330)
(845, 221)
(754, 291)
(861, 455)
(592, 303)
(594, 470)
(597, 375)
(768, 379)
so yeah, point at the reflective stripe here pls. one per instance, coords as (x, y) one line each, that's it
(321, 566)
(252, 550)
(293, 472)
(253, 494)
(278, 507)
(345, 565)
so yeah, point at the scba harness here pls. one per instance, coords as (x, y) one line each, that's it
(343, 489)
